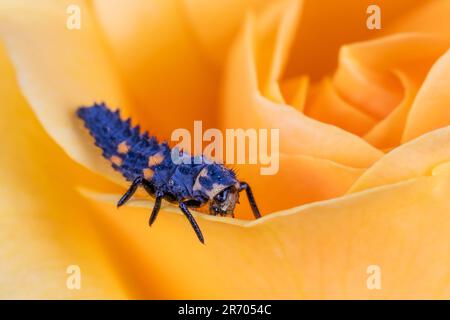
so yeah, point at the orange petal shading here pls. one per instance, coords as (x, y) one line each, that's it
(431, 108)
(388, 132)
(321, 250)
(327, 25)
(300, 179)
(46, 226)
(295, 91)
(274, 32)
(60, 69)
(431, 17)
(244, 107)
(169, 80)
(411, 160)
(215, 23)
(325, 104)
(367, 71)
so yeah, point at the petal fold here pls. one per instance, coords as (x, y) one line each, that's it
(60, 69)
(298, 134)
(170, 81)
(320, 250)
(411, 160)
(46, 227)
(430, 109)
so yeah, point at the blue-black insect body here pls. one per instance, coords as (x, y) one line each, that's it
(145, 162)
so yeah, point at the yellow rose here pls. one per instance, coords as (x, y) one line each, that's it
(364, 180)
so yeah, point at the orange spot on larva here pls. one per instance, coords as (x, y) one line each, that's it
(116, 160)
(155, 160)
(197, 185)
(123, 147)
(148, 173)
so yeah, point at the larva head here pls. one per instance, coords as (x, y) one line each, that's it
(224, 202)
(220, 186)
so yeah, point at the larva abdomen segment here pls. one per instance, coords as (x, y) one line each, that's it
(129, 151)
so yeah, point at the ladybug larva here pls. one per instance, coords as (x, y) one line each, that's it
(146, 163)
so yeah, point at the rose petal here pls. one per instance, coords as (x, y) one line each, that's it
(411, 160)
(169, 79)
(45, 225)
(322, 250)
(60, 69)
(388, 132)
(430, 109)
(298, 133)
(295, 91)
(300, 179)
(274, 32)
(215, 23)
(366, 75)
(326, 105)
(430, 17)
(327, 25)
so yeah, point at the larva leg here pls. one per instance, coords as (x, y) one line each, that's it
(136, 183)
(251, 199)
(192, 221)
(149, 187)
(156, 207)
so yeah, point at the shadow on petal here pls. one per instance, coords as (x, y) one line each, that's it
(319, 250)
